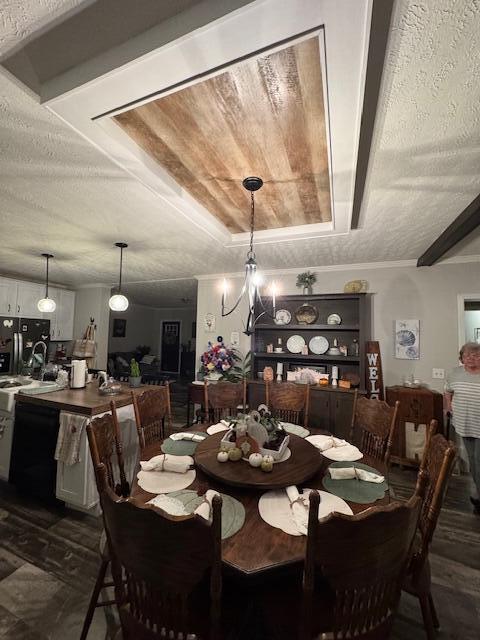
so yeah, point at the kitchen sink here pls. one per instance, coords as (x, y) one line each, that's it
(12, 383)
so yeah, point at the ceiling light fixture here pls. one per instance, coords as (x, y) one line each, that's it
(46, 304)
(252, 280)
(119, 302)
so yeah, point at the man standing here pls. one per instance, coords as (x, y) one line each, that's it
(462, 391)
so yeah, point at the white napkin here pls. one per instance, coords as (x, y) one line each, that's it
(166, 462)
(205, 508)
(347, 473)
(330, 443)
(299, 505)
(195, 437)
(226, 423)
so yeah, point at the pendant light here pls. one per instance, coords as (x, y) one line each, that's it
(46, 304)
(118, 302)
(251, 284)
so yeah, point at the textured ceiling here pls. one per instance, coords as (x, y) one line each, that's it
(264, 117)
(59, 194)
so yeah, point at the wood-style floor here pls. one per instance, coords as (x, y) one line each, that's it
(49, 560)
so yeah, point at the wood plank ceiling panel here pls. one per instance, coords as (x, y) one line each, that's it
(263, 117)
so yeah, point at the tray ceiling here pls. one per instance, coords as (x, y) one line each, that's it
(262, 117)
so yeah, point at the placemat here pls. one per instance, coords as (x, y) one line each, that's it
(179, 447)
(165, 481)
(233, 511)
(296, 429)
(355, 490)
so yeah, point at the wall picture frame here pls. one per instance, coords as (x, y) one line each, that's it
(119, 329)
(407, 339)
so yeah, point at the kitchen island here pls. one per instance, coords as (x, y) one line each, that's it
(33, 468)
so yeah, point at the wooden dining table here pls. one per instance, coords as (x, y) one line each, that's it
(257, 547)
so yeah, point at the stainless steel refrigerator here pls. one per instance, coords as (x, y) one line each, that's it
(17, 338)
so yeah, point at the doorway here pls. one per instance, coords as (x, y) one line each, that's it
(171, 346)
(468, 318)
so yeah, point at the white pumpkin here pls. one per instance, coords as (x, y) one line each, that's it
(255, 459)
(222, 456)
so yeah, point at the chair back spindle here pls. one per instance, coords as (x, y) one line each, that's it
(373, 427)
(152, 414)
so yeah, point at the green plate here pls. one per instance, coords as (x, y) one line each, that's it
(352, 489)
(179, 447)
(233, 511)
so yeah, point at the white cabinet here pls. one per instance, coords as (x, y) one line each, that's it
(8, 297)
(61, 320)
(6, 437)
(28, 295)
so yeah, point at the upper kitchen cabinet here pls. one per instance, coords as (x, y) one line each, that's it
(61, 320)
(28, 295)
(8, 297)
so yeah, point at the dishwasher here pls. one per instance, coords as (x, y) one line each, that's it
(33, 468)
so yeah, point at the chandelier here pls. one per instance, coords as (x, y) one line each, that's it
(251, 284)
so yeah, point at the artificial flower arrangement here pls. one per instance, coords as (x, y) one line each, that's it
(218, 358)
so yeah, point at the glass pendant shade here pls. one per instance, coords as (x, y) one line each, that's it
(46, 304)
(118, 302)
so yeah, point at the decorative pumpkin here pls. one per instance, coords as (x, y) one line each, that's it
(267, 463)
(222, 456)
(235, 454)
(255, 459)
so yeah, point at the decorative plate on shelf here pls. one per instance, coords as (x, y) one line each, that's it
(295, 344)
(334, 318)
(306, 314)
(282, 316)
(318, 345)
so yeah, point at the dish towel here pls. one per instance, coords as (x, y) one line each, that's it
(69, 436)
(349, 473)
(299, 505)
(331, 443)
(205, 509)
(194, 437)
(166, 462)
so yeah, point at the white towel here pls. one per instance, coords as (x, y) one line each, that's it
(299, 505)
(69, 436)
(166, 462)
(181, 435)
(205, 509)
(347, 473)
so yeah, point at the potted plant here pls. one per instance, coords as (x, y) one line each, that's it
(135, 379)
(306, 280)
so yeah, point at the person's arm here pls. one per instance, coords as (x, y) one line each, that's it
(448, 395)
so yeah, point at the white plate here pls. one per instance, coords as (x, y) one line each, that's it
(334, 318)
(274, 508)
(165, 481)
(295, 344)
(318, 345)
(282, 316)
(216, 428)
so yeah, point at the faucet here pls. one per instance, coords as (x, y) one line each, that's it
(44, 361)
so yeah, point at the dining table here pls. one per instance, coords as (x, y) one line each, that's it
(258, 548)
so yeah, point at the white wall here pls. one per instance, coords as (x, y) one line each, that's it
(428, 293)
(92, 302)
(141, 329)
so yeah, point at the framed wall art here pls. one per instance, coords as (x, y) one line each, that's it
(407, 339)
(119, 328)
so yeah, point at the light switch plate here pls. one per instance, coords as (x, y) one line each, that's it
(439, 374)
(234, 338)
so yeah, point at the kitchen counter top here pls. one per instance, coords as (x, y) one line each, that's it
(87, 401)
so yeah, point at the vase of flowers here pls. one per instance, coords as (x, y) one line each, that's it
(217, 361)
(305, 281)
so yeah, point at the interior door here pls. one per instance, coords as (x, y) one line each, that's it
(171, 346)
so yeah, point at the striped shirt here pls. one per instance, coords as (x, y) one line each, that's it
(466, 401)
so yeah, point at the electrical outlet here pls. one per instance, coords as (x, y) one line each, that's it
(439, 374)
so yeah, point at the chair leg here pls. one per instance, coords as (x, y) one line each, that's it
(427, 616)
(94, 599)
(433, 611)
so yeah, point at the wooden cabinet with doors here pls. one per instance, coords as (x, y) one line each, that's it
(417, 408)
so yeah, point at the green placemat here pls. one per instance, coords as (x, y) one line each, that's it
(233, 511)
(296, 429)
(179, 447)
(355, 490)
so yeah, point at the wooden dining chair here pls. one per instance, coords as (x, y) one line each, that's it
(360, 562)
(105, 444)
(152, 414)
(288, 401)
(223, 399)
(373, 426)
(166, 569)
(435, 470)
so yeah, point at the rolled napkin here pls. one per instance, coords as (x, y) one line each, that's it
(181, 435)
(226, 423)
(299, 505)
(204, 510)
(166, 462)
(348, 473)
(330, 443)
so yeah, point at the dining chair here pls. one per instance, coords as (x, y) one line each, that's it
(360, 562)
(105, 445)
(171, 589)
(373, 426)
(435, 470)
(288, 401)
(223, 399)
(152, 414)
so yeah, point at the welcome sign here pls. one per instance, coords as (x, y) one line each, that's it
(373, 370)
